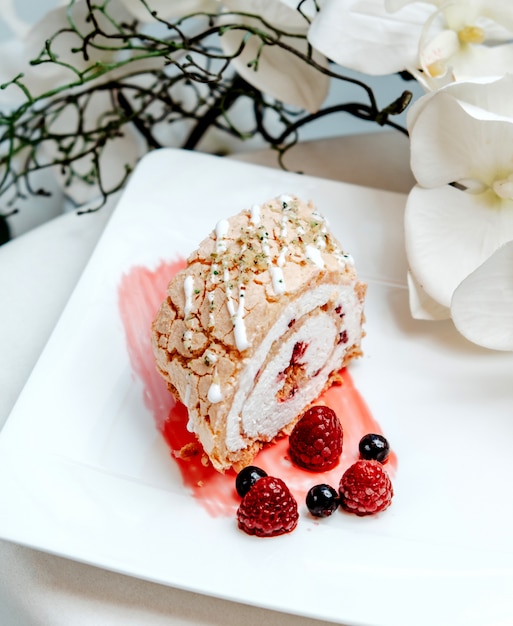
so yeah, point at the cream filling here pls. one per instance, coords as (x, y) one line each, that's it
(272, 420)
(262, 416)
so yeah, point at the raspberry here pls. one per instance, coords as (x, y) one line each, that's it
(316, 441)
(268, 509)
(365, 488)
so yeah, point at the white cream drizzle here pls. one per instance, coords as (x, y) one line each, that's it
(281, 257)
(241, 338)
(254, 215)
(221, 231)
(314, 254)
(187, 396)
(236, 313)
(186, 400)
(215, 393)
(283, 231)
(210, 357)
(277, 279)
(265, 246)
(214, 273)
(320, 240)
(236, 309)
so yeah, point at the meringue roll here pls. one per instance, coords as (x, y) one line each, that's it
(260, 322)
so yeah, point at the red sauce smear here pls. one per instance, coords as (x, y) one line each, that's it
(140, 293)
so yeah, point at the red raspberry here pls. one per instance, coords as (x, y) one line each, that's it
(365, 488)
(268, 509)
(316, 441)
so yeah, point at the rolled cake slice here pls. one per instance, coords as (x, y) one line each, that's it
(259, 323)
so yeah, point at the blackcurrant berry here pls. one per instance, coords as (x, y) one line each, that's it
(246, 478)
(374, 447)
(322, 500)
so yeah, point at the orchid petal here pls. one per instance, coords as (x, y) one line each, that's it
(497, 10)
(273, 70)
(438, 51)
(363, 36)
(166, 9)
(308, 7)
(18, 26)
(422, 306)
(283, 15)
(449, 233)
(60, 19)
(479, 61)
(487, 93)
(395, 5)
(279, 73)
(482, 305)
(493, 95)
(11, 53)
(448, 144)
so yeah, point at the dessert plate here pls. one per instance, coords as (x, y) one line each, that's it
(85, 474)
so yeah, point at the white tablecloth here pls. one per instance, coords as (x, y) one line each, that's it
(38, 272)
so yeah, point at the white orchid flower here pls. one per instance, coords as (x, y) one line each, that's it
(464, 37)
(364, 36)
(459, 217)
(273, 70)
(437, 41)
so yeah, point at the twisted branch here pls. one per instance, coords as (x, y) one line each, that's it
(171, 74)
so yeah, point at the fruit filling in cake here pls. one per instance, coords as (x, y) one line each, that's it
(259, 323)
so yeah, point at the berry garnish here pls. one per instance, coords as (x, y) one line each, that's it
(365, 488)
(322, 500)
(268, 509)
(247, 477)
(374, 447)
(316, 440)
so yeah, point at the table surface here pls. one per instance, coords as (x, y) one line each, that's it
(38, 272)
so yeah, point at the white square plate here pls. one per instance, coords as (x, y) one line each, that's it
(84, 473)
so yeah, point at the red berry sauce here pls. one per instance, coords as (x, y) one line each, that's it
(140, 293)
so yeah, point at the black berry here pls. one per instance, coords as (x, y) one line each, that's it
(322, 500)
(246, 478)
(374, 447)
